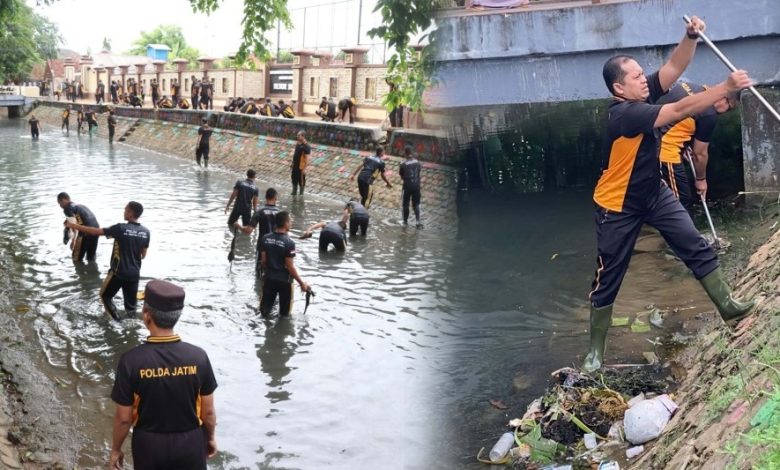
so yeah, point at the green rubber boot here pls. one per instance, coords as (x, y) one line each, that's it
(600, 319)
(729, 308)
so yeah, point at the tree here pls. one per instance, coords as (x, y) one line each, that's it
(26, 38)
(106, 44)
(171, 36)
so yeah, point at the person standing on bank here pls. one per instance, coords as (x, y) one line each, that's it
(265, 218)
(276, 257)
(111, 126)
(131, 241)
(246, 195)
(299, 163)
(691, 137)
(409, 171)
(155, 92)
(35, 127)
(195, 93)
(202, 146)
(367, 172)
(164, 389)
(82, 244)
(630, 193)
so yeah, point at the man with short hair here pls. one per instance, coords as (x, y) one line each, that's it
(249, 107)
(331, 233)
(358, 217)
(175, 93)
(409, 171)
(155, 93)
(66, 120)
(81, 244)
(347, 105)
(285, 110)
(35, 127)
(265, 219)
(245, 194)
(689, 139)
(131, 241)
(204, 92)
(111, 126)
(164, 389)
(276, 255)
(195, 92)
(367, 172)
(299, 163)
(630, 192)
(202, 146)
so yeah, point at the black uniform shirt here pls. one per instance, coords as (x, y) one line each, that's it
(277, 247)
(129, 240)
(373, 166)
(164, 380)
(34, 124)
(410, 174)
(335, 227)
(266, 218)
(356, 210)
(111, 122)
(205, 132)
(246, 192)
(83, 215)
(300, 149)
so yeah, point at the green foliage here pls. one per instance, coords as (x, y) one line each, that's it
(259, 16)
(411, 73)
(285, 57)
(171, 36)
(26, 38)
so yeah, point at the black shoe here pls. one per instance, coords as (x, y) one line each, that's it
(111, 310)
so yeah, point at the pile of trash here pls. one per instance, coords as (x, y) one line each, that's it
(585, 422)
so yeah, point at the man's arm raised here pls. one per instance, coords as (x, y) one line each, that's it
(673, 69)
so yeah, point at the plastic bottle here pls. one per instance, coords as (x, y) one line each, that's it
(502, 447)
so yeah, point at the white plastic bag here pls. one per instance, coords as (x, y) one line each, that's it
(646, 420)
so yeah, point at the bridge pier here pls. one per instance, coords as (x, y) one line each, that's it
(761, 145)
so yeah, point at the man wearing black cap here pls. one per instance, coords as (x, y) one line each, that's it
(245, 194)
(131, 240)
(83, 244)
(276, 255)
(164, 388)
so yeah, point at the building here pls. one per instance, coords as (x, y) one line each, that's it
(157, 51)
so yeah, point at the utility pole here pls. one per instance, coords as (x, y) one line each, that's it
(278, 38)
(360, 18)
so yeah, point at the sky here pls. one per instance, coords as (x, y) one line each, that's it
(328, 23)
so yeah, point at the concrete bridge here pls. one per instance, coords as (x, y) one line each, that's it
(15, 98)
(554, 52)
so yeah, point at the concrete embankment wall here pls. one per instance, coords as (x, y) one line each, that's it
(175, 133)
(761, 143)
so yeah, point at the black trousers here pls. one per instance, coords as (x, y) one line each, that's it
(66, 125)
(169, 451)
(202, 151)
(298, 179)
(111, 286)
(195, 101)
(366, 193)
(35, 133)
(397, 117)
(244, 213)
(413, 196)
(356, 223)
(330, 238)
(85, 246)
(616, 234)
(676, 176)
(111, 131)
(272, 288)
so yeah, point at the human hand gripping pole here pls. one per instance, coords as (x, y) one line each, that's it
(731, 67)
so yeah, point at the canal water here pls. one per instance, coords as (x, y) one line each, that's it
(351, 384)
(411, 335)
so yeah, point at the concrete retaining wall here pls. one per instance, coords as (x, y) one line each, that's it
(761, 142)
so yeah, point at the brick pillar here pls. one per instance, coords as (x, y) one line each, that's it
(301, 60)
(124, 69)
(353, 58)
(181, 67)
